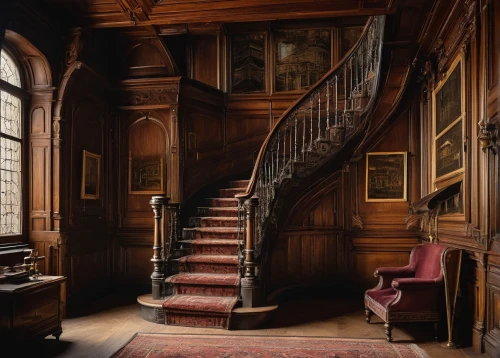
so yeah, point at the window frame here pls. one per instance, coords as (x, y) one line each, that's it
(23, 95)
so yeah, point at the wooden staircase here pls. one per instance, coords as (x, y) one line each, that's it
(206, 289)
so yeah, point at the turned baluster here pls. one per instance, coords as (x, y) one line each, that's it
(158, 275)
(249, 283)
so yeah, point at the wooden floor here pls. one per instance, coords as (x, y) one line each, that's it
(104, 326)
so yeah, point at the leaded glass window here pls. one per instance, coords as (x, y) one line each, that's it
(8, 70)
(10, 147)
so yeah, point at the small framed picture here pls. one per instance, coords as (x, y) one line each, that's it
(145, 175)
(386, 176)
(91, 175)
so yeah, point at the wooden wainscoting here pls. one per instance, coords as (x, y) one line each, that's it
(309, 257)
(381, 250)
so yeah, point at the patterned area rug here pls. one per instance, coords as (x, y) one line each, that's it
(187, 345)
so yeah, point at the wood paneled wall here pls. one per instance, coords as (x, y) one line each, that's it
(470, 30)
(312, 247)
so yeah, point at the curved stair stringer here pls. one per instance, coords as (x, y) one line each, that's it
(393, 86)
(397, 80)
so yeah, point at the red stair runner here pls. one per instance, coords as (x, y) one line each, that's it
(207, 286)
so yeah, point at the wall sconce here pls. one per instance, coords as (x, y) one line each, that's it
(488, 137)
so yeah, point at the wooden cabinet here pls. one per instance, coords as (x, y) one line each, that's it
(33, 309)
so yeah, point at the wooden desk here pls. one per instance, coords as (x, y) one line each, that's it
(33, 309)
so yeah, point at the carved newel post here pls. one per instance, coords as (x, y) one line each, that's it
(250, 282)
(158, 276)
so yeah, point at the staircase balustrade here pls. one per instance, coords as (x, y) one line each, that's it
(167, 233)
(311, 131)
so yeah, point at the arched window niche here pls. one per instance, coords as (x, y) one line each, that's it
(11, 143)
(26, 97)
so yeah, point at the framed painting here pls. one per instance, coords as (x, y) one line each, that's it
(448, 123)
(386, 176)
(91, 175)
(302, 57)
(248, 65)
(145, 175)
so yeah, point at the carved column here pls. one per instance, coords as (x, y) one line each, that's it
(250, 282)
(158, 276)
(479, 301)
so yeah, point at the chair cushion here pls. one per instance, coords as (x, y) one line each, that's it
(383, 297)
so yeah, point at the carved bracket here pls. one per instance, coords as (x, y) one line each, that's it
(357, 222)
(473, 233)
(413, 221)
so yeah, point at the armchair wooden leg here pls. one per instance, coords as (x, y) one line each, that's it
(388, 331)
(368, 315)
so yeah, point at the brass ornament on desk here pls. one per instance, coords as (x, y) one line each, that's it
(21, 273)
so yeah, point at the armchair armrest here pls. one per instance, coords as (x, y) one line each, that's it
(405, 271)
(402, 283)
(387, 274)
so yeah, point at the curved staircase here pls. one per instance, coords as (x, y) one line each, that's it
(206, 289)
(223, 250)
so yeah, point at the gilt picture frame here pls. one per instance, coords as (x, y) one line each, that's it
(386, 176)
(145, 175)
(91, 176)
(448, 112)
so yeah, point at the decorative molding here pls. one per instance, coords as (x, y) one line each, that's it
(413, 221)
(155, 96)
(414, 316)
(480, 258)
(462, 35)
(357, 222)
(74, 47)
(473, 233)
(426, 71)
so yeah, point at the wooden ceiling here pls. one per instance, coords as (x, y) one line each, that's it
(162, 13)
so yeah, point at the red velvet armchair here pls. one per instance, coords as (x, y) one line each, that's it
(411, 293)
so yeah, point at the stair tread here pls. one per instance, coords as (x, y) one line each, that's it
(218, 208)
(232, 190)
(216, 304)
(221, 218)
(211, 279)
(212, 229)
(215, 259)
(211, 242)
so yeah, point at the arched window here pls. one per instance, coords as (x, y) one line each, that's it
(11, 143)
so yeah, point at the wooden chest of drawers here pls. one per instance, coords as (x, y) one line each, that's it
(33, 309)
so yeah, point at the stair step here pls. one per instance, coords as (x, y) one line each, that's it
(214, 246)
(205, 279)
(239, 183)
(199, 311)
(209, 264)
(210, 233)
(230, 192)
(193, 303)
(218, 212)
(222, 202)
(226, 285)
(213, 221)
